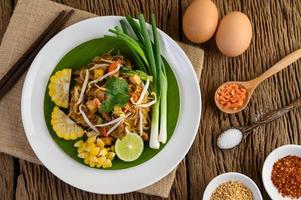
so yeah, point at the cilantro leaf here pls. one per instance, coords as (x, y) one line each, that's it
(122, 99)
(117, 94)
(117, 86)
(106, 106)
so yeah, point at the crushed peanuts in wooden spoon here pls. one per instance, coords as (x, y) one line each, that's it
(232, 97)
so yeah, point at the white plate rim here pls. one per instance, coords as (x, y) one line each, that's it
(115, 181)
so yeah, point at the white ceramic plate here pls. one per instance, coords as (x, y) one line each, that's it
(96, 180)
(280, 152)
(232, 176)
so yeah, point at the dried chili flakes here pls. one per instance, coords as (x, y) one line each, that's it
(286, 176)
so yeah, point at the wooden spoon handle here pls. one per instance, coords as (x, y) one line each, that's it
(271, 116)
(283, 63)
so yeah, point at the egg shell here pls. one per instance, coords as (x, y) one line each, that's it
(200, 21)
(234, 34)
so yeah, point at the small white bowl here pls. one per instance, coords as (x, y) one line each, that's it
(232, 176)
(280, 152)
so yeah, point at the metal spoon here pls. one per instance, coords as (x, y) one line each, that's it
(267, 118)
(251, 85)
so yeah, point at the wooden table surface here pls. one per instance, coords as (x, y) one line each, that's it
(277, 32)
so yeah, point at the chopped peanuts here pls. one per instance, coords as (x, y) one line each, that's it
(231, 96)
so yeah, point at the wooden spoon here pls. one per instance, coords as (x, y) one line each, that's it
(247, 130)
(251, 85)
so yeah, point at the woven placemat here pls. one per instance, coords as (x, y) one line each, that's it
(29, 19)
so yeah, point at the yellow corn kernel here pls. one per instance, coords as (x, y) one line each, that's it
(80, 149)
(78, 143)
(85, 147)
(117, 110)
(91, 106)
(100, 162)
(94, 151)
(113, 148)
(100, 143)
(59, 87)
(102, 159)
(103, 152)
(82, 155)
(107, 163)
(63, 126)
(92, 158)
(110, 155)
(91, 139)
(90, 146)
(86, 160)
(67, 137)
(135, 80)
(73, 135)
(98, 73)
(92, 164)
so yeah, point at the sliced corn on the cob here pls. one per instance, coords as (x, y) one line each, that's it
(64, 127)
(59, 87)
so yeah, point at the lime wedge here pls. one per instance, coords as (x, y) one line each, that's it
(129, 148)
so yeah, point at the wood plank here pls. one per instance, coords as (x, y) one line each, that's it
(6, 9)
(41, 184)
(7, 168)
(276, 33)
(6, 177)
(167, 11)
(21, 190)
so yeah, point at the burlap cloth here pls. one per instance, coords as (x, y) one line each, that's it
(29, 19)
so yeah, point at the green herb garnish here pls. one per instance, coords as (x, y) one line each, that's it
(117, 94)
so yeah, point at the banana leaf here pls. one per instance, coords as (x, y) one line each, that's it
(82, 55)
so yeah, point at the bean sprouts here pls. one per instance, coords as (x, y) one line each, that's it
(113, 121)
(107, 61)
(146, 105)
(87, 120)
(140, 122)
(105, 76)
(82, 92)
(143, 93)
(96, 66)
(114, 127)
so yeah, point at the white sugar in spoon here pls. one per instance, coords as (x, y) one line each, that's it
(232, 137)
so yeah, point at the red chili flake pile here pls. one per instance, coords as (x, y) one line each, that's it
(286, 176)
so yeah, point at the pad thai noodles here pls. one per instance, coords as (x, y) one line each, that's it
(109, 99)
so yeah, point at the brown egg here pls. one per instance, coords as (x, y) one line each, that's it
(234, 34)
(200, 21)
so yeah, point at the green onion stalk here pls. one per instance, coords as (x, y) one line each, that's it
(148, 57)
(154, 135)
(163, 108)
(162, 80)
